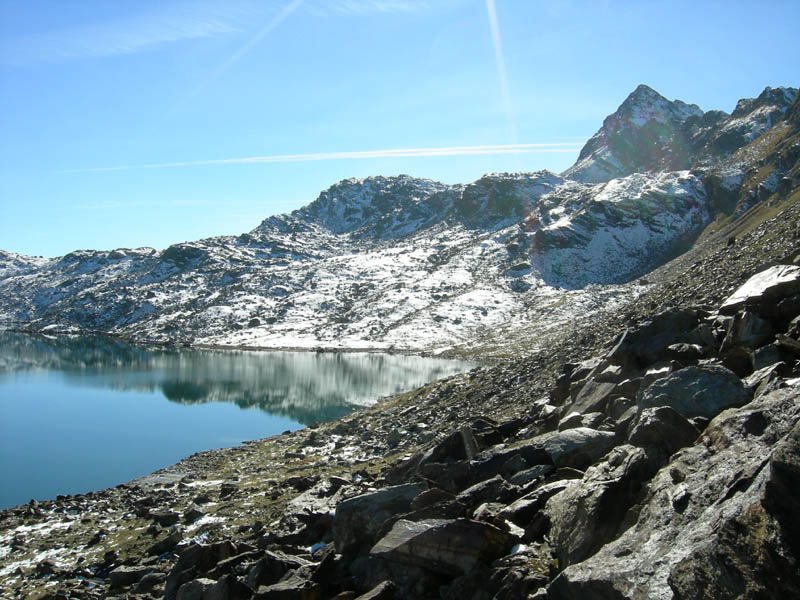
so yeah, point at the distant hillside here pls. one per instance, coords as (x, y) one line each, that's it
(404, 263)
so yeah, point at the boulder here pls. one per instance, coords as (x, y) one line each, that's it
(449, 547)
(522, 510)
(702, 391)
(648, 343)
(576, 419)
(577, 448)
(747, 330)
(664, 428)
(592, 397)
(270, 568)
(358, 519)
(459, 445)
(780, 281)
(766, 380)
(590, 512)
(165, 518)
(165, 543)
(127, 575)
(495, 489)
(294, 586)
(718, 521)
(383, 591)
(766, 356)
(526, 476)
(195, 589)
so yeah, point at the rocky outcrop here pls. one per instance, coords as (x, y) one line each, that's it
(650, 133)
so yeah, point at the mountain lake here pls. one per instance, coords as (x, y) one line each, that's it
(85, 413)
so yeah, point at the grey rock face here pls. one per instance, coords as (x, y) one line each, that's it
(716, 521)
(360, 518)
(697, 391)
(590, 511)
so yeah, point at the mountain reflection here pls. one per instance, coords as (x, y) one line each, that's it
(305, 386)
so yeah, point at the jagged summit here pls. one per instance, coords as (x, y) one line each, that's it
(353, 204)
(646, 133)
(645, 104)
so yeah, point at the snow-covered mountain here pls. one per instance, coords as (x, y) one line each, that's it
(405, 263)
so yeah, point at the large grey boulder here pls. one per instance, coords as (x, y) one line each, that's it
(576, 448)
(664, 428)
(449, 547)
(590, 511)
(697, 391)
(719, 521)
(771, 284)
(359, 519)
(649, 342)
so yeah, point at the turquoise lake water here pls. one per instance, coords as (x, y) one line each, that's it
(80, 414)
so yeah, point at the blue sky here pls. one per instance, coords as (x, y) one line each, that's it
(135, 123)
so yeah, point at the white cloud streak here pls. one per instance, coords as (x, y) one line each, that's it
(356, 155)
(501, 69)
(128, 35)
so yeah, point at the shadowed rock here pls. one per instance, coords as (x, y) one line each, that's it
(443, 546)
(358, 519)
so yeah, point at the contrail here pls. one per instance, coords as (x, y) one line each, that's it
(362, 154)
(274, 22)
(501, 69)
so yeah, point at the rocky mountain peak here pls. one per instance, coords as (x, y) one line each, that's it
(750, 119)
(779, 98)
(353, 204)
(646, 133)
(645, 104)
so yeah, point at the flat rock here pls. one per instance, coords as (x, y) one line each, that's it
(449, 547)
(776, 282)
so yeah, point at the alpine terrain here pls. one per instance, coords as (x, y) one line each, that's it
(637, 434)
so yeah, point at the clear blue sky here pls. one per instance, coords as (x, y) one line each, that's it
(87, 86)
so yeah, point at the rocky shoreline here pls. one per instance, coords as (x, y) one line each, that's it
(650, 455)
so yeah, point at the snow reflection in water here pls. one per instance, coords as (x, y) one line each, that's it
(82, 413)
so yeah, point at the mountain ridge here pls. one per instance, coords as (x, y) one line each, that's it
(405, 263)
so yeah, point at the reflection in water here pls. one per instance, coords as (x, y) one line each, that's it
(83, 413)
(305, 386)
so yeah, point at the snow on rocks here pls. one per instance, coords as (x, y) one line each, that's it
(382, 263)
